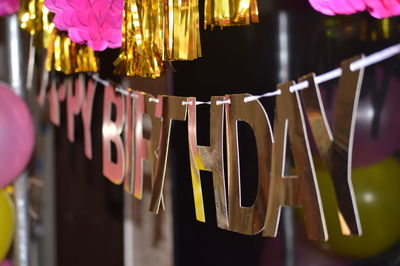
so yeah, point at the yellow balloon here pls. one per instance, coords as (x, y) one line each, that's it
(377, 191)
(6, 223)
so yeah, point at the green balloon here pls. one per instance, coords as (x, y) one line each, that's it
(377, 192)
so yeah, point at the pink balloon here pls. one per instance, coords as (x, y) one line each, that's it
(6, 263)
(17, 135)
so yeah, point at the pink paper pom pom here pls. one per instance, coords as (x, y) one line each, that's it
(8, 7)
(96, 23)
(377, 8)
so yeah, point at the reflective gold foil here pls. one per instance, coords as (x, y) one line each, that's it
(157, 31)
(62, 54)
(335, 145)
(247, 220)
(36, 19)
(224, 13)
(69, 57)
(31, 15)
(288, 189)
(168, 108)
(209, 158)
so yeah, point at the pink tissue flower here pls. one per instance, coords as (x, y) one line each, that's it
(8, 7)
(377, 8)
(96, 23)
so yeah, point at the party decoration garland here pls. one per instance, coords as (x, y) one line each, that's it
(8, 7)
(156, 31)
(149, 32)
(377, 8)
(123, 128)
(95, 23)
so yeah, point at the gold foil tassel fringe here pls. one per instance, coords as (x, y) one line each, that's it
(225, 13)
(69, 57)
(157, 31)
(62, 54)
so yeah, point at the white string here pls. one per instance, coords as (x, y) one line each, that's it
(223, 102)
(199, 103)
(356, 65)
(122, 91)
(118, 88)
(375, 57)
(335, 73)
(126, 92)
(154, 100)
(187, 103)
(105, 83)
(256, 97)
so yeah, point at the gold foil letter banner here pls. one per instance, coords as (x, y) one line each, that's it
(248, 220)
(208, 158)
(293, 190)
(335, 148)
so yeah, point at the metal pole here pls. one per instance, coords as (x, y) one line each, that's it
(129, 228)
(16, 80)
(289, 236)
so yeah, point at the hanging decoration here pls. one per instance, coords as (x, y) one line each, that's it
(69, 57)
(154, 32)
(8, 7)
(377, 8)
(149, 32)
(140, 53)
(34, 17)
(230, 13)
(62, 54)
(157, 31)
(95, 23)
(335, 145)
(125, 128)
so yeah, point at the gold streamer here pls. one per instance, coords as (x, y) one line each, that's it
(224, 13)
(31, 15)
(156, 31)
(69, 57)
(139, 54)
(62, 54)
